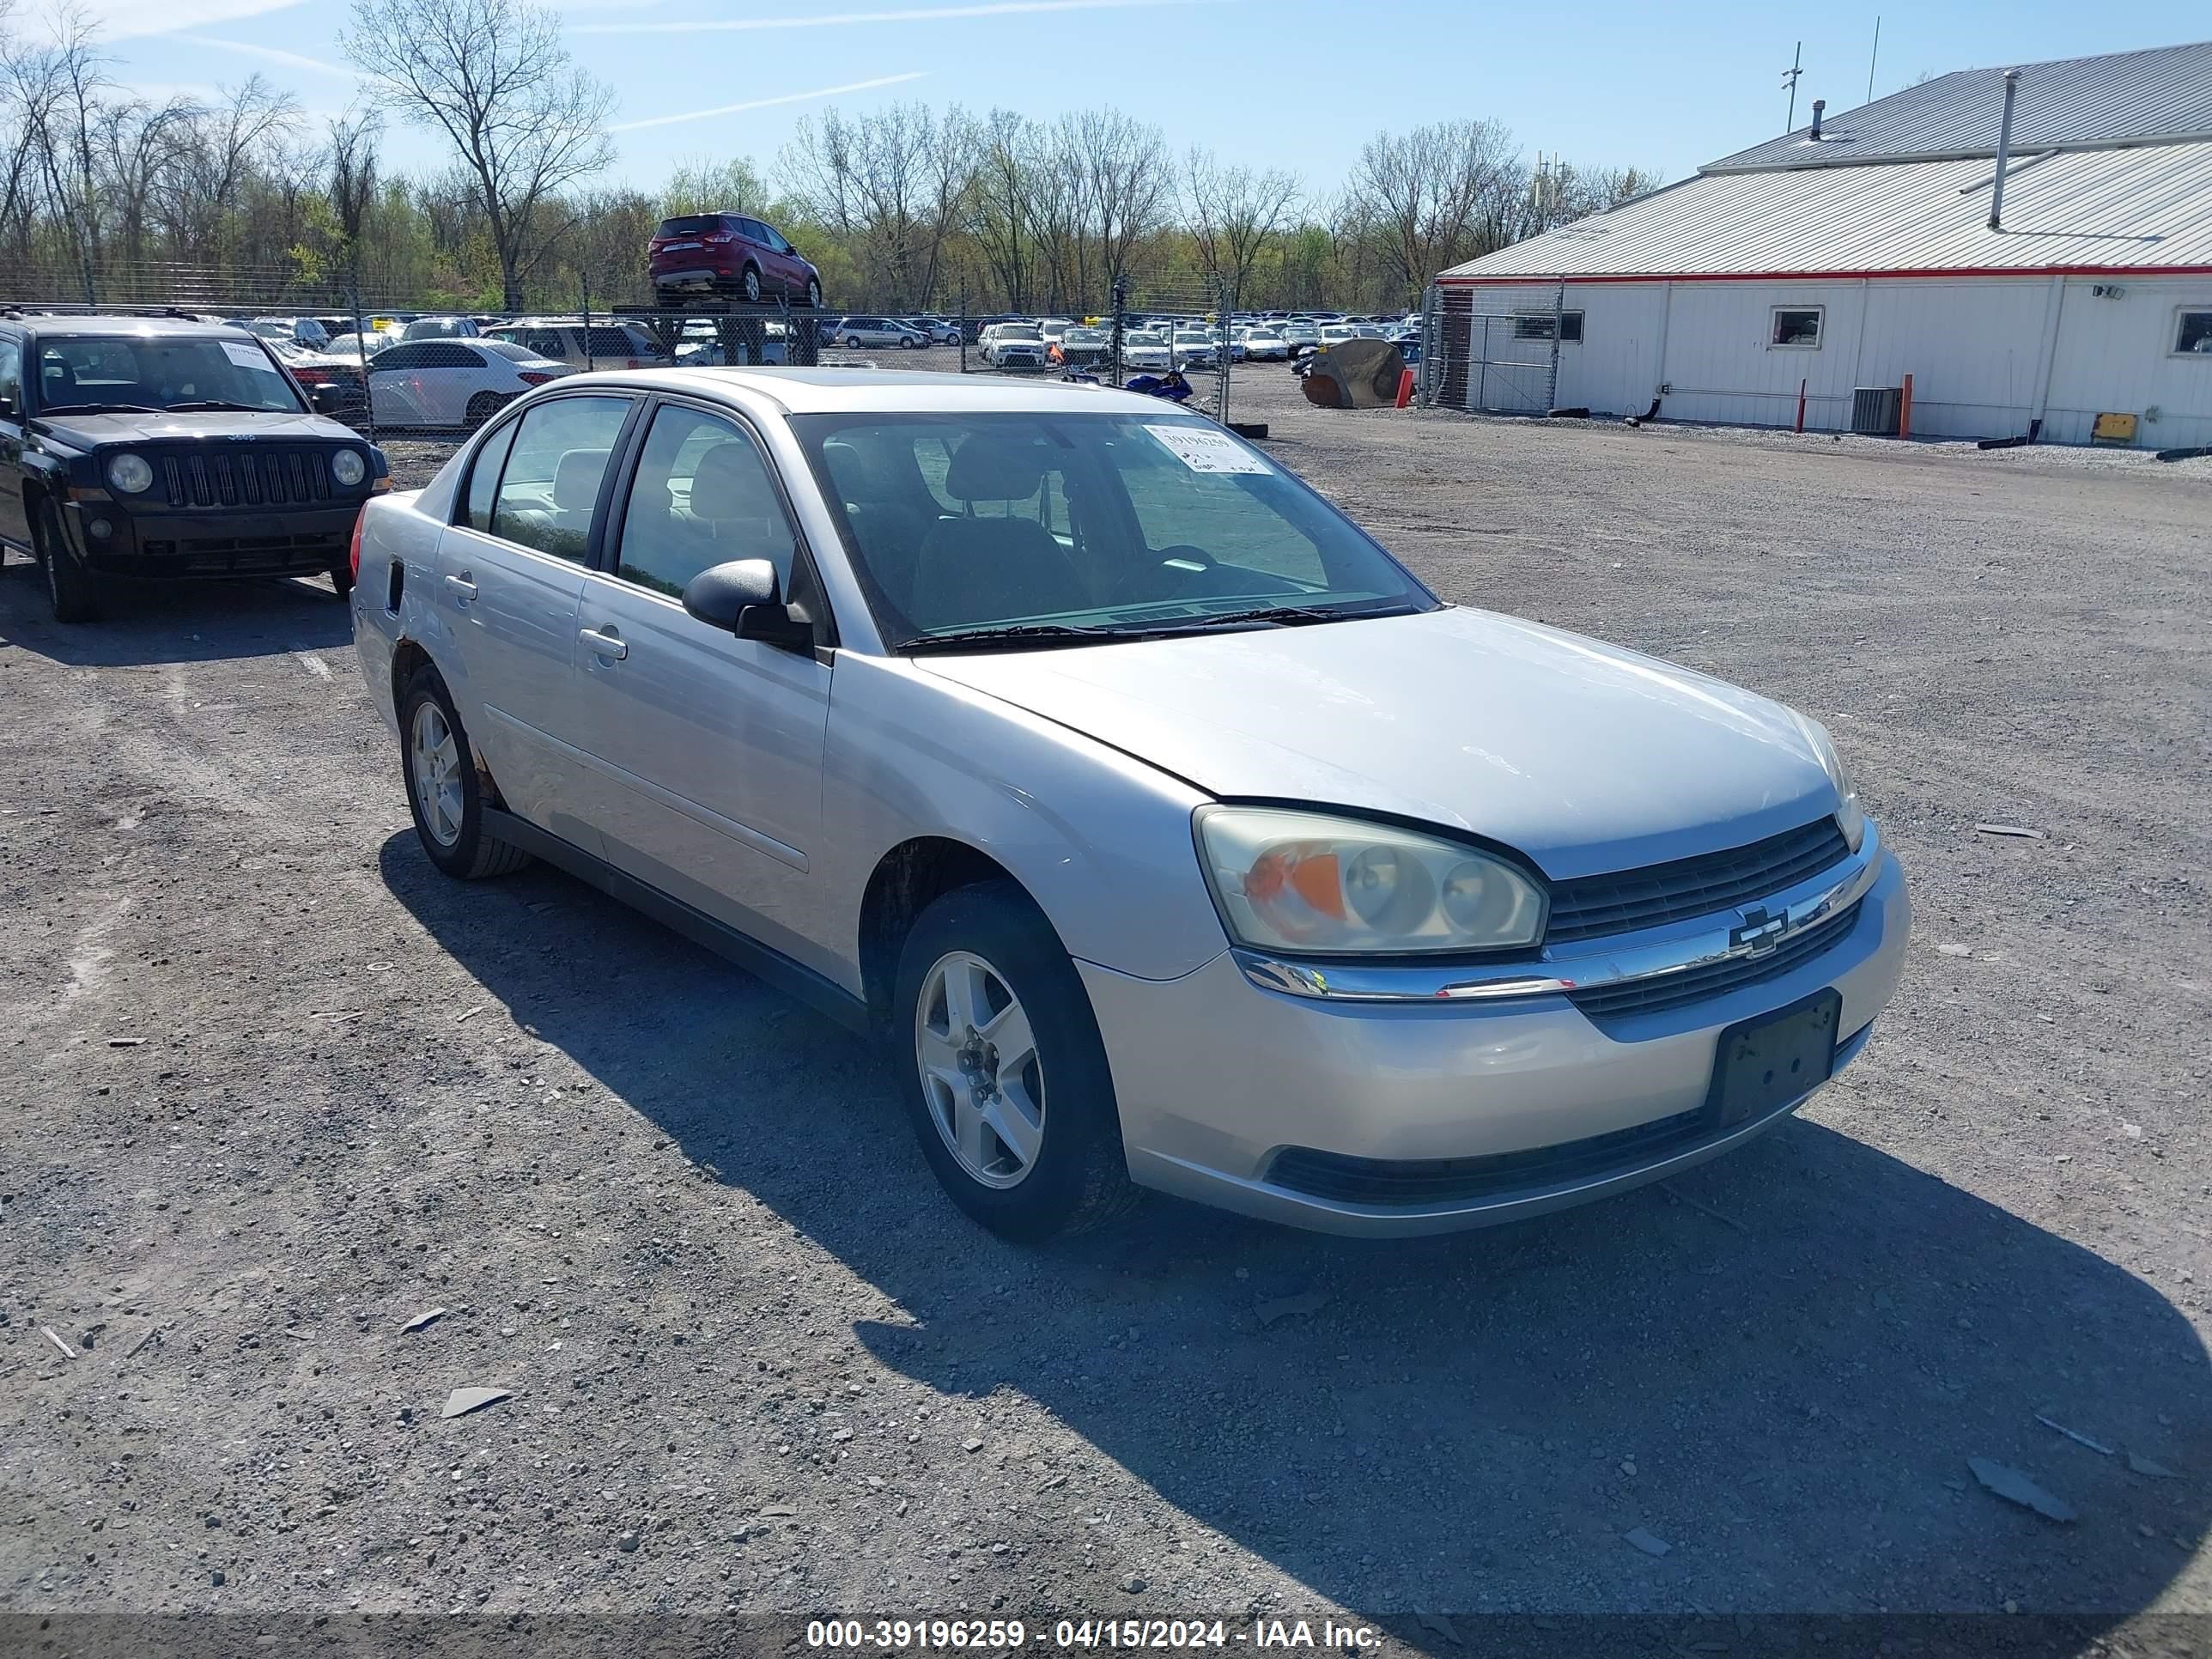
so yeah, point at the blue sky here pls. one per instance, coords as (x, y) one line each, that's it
(1604, 82)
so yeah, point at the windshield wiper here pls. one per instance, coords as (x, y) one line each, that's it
(1282, 615)
(243, 409)
(1019, 634)
(100, 408)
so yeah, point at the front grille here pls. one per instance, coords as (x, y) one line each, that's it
(250, 475)
(1408, 1182)
(246, 555)
(1622, 901)
(1651, 996)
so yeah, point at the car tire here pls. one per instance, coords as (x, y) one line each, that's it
(449, 821)
(342, 578)
(852, 342)
(813, 295)
(72, 592)
(482, 407)
(989, 951)
(751, 283)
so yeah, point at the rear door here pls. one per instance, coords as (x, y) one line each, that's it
(705, 751)
(511, 574)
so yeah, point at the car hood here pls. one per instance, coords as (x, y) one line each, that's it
(88, 431)
(1581, 756)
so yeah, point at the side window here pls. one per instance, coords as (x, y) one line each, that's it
(551, 481)
(11, 373)
(397, 356)
(703, 497)
(446, 355)
(750, 230)
(2193, 334)
(483, 479)
(1796, 326)
(545, 342)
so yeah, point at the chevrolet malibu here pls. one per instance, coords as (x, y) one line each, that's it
(1168, 832)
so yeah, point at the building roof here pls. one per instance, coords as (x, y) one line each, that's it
(2090, 211)
(2110, 170)
(2118, 98)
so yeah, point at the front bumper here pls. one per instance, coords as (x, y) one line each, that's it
(1220, 1082)
(288, 542)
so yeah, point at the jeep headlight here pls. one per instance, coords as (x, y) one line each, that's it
(1314, 883)
(347, 467)
(131, 474)
(1850, 817)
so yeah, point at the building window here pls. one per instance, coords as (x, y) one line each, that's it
(1537, 325)
(1797, 327)
(2194, 334)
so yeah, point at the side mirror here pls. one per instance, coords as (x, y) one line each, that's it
(10, 410)
(744, 598)
(328, 398)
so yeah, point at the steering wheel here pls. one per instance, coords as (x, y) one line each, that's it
(1129, 578)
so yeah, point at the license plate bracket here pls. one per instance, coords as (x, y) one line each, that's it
(1761, 1065)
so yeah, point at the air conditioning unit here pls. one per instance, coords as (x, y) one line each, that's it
(1877, 411)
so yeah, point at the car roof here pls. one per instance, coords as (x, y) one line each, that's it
(120, 327)
(839, 391)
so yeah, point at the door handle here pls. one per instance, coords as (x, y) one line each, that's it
(462, 585)
(607, 645)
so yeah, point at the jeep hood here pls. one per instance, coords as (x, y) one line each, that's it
(1583, 756)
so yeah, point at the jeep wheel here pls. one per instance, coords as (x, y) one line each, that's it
(72, 591)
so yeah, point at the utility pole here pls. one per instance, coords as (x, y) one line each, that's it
(1874, 58)
(1790, 80)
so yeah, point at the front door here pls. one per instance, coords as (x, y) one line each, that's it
(511, 577)
(14, 524)
(705, 749)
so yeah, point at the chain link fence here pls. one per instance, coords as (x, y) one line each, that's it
(1490, 362)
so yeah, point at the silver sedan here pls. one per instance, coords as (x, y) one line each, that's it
(1166, 832)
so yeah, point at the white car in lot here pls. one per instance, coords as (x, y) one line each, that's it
(1147, 350)
(857, 332)
(452, 382)
(1265, 345)
(1165, 831)
(1015, 345)
(1195, 348)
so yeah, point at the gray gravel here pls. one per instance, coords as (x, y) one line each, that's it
(274, 1089)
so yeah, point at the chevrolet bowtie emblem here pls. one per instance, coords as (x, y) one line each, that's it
(1759, 933)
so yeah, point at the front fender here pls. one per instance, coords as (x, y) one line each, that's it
(1100, 839)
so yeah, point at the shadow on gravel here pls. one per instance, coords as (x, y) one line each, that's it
(173, 621)
(1783, 1386)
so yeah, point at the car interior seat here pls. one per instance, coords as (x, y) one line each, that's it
(981, 570)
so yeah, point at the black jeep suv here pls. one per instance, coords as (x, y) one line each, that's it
(166, 447)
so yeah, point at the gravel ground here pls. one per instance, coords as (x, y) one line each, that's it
(274, 1089)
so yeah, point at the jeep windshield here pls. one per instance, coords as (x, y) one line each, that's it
(97, 373)
(1028, 531)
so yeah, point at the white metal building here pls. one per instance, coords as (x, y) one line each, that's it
(1858, 251)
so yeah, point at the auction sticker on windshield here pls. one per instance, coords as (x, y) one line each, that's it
(246, 357)
(1203, 450)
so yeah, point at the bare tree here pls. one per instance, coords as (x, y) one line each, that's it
(1437, 196)
(1123, 174)
(703, 185)
(238, 137)
(494, 76)
(1232, 213)
(1000, 211)
(895, 180)
(352, 159)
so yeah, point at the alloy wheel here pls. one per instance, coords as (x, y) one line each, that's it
(980, 1075)
(433, 764)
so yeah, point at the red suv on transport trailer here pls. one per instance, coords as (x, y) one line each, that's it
(728, 255)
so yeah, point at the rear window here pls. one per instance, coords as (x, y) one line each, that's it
(620, 343)
(691, 226)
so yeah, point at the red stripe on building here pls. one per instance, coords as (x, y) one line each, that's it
(2027, 274)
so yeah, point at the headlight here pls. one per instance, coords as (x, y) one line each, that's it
(347, 467)
(1307, 882)
(131, 474)
(1850, 818)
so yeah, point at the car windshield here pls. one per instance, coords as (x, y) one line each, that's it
(1038, 529)
(160, 372)
(1020, 334)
